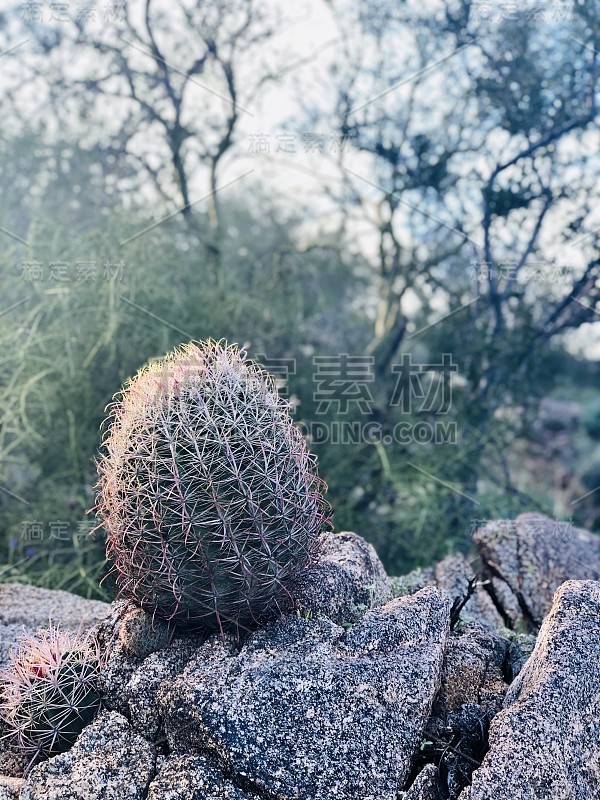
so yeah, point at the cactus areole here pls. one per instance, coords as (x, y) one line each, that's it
(210, 498)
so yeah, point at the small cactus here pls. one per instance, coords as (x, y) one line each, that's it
(141, 635)
(48, 692)
(210, 498)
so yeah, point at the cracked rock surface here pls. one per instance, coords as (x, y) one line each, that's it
(545, 743)
(532, 556)
(108, 760)
(354, 694)
(306, 709)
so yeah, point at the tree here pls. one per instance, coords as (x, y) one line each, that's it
(158, 92)
(476, 154)
(471, 165)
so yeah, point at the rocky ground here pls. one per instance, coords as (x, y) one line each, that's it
(376, 688)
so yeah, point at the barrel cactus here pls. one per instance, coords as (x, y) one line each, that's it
(49, 692)
(210, 498)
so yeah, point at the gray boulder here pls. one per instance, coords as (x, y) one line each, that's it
(472, 671)
(544, 744)
(347, 579)
(119, 662)
(305, 709)
(472, 691)
(453, 574)
(142, 690)
(426, 785)
(520, 647)
(10, 788)
(534, 555)
(13, 764)
(506, 601)
(193, 778)
(130, 677)
(414, 581)
(109, 761)
(25, 608)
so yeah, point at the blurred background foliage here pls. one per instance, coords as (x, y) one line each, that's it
(107, 263)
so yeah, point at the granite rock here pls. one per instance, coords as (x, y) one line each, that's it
(193, 778)
(533, 555)
(545, 743)
(109, 761)
(306, 709)
(347, 579)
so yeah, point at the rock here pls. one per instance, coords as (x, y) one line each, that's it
(142, 690)
(31, 606)
(347, 579)
(544, 744)
(505, 600)
(119, 663)
(520, 647)
(142, 634)
(453, 575)
(193, 778)
(472, 690)
(413, 582)
(116, 672)
(472, 671)
(426, 785)
(534, 556)
(306, 710)
(10, 788)
(129, 681)
(13, 763)
(26, 608)
(109, 761)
